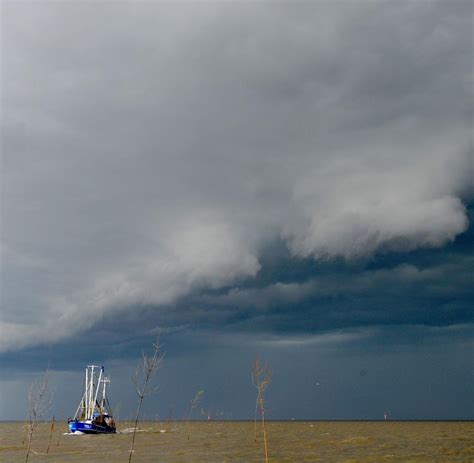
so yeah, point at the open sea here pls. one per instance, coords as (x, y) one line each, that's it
(234, 441)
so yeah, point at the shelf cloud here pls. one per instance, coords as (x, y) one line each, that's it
(152, 152)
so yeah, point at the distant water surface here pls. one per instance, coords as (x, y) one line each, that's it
(231, 441)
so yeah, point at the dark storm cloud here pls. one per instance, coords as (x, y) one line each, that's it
(404, 295)
(388, 300)
(153, 151)
(301, 297)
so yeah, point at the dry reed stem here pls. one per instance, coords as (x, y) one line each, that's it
(149, 366)
(25, 433)
(38, 402)
(51, 430)
(261, 378)
(194, 403)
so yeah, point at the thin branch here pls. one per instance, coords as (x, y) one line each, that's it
(38, 402)
(149, 367)
(51, 430)
(261, 377)
(194, 403)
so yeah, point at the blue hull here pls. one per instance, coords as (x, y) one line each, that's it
(89, 428)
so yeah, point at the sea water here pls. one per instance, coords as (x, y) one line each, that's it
(234, 441)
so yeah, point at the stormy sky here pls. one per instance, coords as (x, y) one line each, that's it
(288, 179)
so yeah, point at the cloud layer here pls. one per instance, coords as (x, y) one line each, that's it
(153, 151)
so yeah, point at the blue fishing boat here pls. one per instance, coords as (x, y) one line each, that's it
(93, 415)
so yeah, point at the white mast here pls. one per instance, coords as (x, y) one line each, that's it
(86, 395)
(91, 402)
(81, 406)
(97, 389)
(104, 381)
(91, 391)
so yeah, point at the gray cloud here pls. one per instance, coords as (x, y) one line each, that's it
(152, 150)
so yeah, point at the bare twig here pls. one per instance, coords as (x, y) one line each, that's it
(38, 402)
(51, 430)
(261, 378)
(148, 366)
(25, 432)
(194, 404)
(255, 415)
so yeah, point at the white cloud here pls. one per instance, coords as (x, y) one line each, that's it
(356, 208)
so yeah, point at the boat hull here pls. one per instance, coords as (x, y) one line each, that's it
(82, 427)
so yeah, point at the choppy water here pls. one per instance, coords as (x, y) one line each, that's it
(229, 441)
